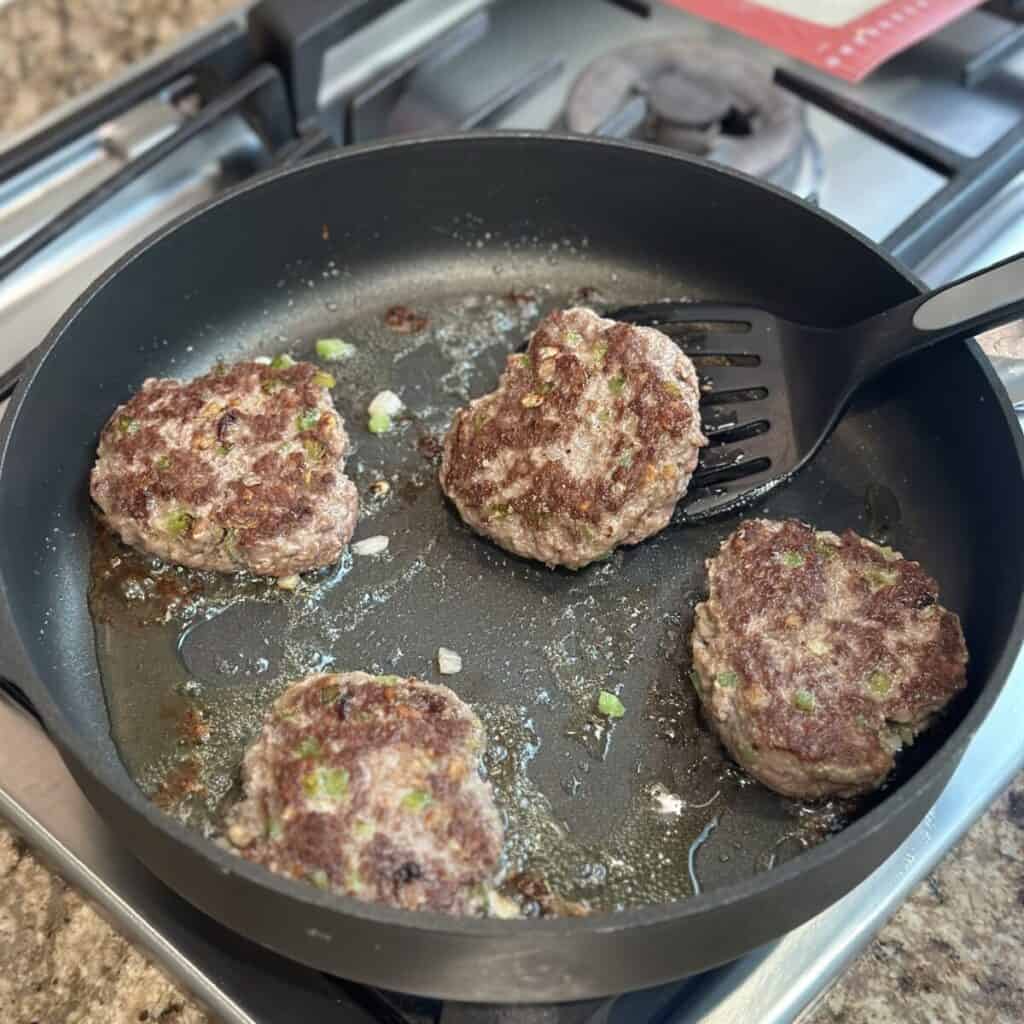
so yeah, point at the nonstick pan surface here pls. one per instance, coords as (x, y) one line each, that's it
(480, 236)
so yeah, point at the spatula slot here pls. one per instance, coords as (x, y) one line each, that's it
(703, 359)
(709, 397)
(718, 475)
(684, 332)
(722, 456)
(735, 432)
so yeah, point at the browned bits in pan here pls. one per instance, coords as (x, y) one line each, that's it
(403, 320)
(182, 782)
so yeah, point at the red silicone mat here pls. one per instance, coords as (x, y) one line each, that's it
(846, 38)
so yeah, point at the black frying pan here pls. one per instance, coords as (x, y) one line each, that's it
(450, 228)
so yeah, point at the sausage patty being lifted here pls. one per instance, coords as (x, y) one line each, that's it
(588, 442)
(369, 786)
(241, 468)
(817, 657)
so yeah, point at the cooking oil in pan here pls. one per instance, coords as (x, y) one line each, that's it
(608, 814)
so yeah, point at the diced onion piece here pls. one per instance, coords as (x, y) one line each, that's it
(610, 705)
(324, 783)
(289, 582)
(803, 700)
(333, 350)
(501, 906)
(449, 662)
(666, 802)
(416, 800)
(240, 836)
(262, 360)
(387, 403)
(178, 522)
(371, 545)
(307, 419)
(379, 424)
(880, 683)
(282, 362)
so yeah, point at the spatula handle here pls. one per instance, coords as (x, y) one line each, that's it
(991, 297)
(996, 292)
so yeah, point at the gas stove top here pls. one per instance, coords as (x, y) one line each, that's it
(926, 158)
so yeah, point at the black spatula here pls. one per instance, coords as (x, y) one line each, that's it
(773, 390)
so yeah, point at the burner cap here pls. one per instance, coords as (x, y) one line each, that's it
(708, 100)
(687, 100)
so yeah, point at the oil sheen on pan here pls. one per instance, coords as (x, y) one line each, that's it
(602, 812)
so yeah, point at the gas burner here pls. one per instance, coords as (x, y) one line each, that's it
(706, 100)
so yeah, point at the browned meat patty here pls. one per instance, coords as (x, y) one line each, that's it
(370, 786)
(817, 657)
(588, 442)
(242, 468)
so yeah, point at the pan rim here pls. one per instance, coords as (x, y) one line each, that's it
(69, 740)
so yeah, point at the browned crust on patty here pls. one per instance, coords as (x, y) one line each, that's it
(386, 738)
(543, 398)
(244, 456)
(818, 655)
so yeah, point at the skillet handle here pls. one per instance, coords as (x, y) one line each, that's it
(296, 35)
(10, 377)
(16, 678)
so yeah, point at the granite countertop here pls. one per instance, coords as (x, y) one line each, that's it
(954, 952)
(53, 50)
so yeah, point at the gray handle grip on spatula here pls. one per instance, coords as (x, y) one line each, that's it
(974, 304)
(996, 292)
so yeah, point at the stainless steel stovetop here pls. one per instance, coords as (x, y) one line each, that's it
(882, 149)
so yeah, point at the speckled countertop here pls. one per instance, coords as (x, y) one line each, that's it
(53, 50)
(953, 953)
